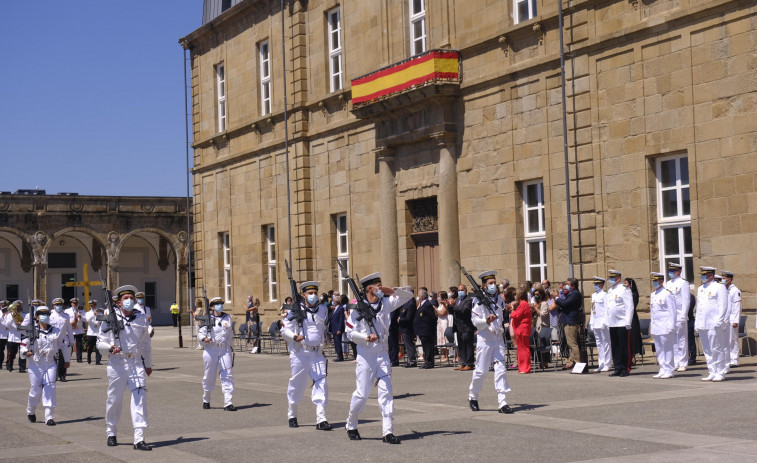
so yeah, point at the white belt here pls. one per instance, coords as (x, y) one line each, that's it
(124, 355)
(311, 348)
(217, 344)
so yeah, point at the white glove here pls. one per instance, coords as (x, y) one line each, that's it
(628, 327)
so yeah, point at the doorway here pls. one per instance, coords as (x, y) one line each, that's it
(427, 260)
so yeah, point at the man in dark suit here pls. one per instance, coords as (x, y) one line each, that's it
(394, 334)
(463, 326)
(336, 326)
(424, 326)
(406, 316)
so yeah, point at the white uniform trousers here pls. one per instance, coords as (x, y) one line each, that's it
(714, 347)
(485, 354)
(217, 358)
(604, 354)
(42, 376)
(664, 345)
(308, 364)
(681, 345)
(371, 367)
(733, 345)
(123, 373)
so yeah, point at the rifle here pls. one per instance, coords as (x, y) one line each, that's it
(113, 321)
(208, 317)
(364, 310)
(296, 310)
(32, 329)
(479, 293)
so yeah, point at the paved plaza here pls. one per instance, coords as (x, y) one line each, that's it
(558, 417)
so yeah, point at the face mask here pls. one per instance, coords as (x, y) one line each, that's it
(379, 294)
(44, 319)
(537, 297)
(704, 278)
(312, 299)
(461, 294)
(612, 281)
(140, 301)
(566, 288)
(532, 290)
(58, 308)
(656, 284)
(128, 304)
(491, 289)
(671, 275)
(218, 308)
(596, 287)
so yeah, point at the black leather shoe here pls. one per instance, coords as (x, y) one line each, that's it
(32, 418)
(353, 434)
(50, 422)
(391, 439)
(324, 426)
(98, 363)
(623, 373)
(112, 442)
(141, 445)
(614, 373)
(411, 365)
(395, 364)
(293, 423)
(63, 380)
(206, 406)
(473, 405)
(230, 408)
(506, 409)
(22, 370)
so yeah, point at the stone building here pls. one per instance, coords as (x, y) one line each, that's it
(421, 132)
(47, 240)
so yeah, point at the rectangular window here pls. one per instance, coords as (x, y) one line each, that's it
(221, 92)
(674, 214)
(270, 246)
(151, 294)
(226, 250)
(524, 10)
(534, 231)
(11, 293)
(342, 250)
(417, 26)
(61, 260)
(335, 49)
(225, 5)
(264, 50)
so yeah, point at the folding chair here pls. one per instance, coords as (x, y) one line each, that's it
(646, 339)
(449, 335)
(742, 334)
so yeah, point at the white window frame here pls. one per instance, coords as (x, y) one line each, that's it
(417, 17)
(334, 20)
(226, 249)
(540, 235)
(270, 247)
(530, 7)
(679, 221)
(343, 252)
(221, 95)
(264, 54)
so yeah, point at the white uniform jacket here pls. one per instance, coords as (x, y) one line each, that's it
(72, 312)
(734, 304)
(46, 346)
(313, 329)
(13, 329)
(134, 339)
(358, 331)
(619, 301)
(478, 314)
(663, 310)
(598, 310)
(62, 321)
(222, 333)
(3, 328)
(93, 326)
(682, 293)
(712, 306)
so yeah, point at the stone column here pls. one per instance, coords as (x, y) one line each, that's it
(388, 206)
(40, 280)
(449, 229)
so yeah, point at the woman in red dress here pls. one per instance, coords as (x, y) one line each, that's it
(521, 319)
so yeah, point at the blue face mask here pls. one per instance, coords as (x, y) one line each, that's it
(596, 287)
(612, 281)
(128, 304)
(44, 319)
(312, 299)
(140, 301)
(656, 284)
(58, 308)
(671, 275)
(704, 278)
(461, 294)
(218, 308)
(491, 289)
(379, 294)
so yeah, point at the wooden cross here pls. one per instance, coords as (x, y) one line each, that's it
(86, 283)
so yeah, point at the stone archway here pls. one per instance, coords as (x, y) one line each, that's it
(16, 264)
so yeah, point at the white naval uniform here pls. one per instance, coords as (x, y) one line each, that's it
(127, 368)
(62, 321)
(663, 310)
(72, 312)
(217, 356)
(93, 326)
(682, 294)
(490, 346)
(373, 362)
(712, 322)
(14, 334)
(43, 369)
(734, 316)
(306, 359)
(598, 324)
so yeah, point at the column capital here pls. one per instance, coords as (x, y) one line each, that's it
(384, 153)
(444, 138)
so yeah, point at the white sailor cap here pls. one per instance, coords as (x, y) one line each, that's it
(485, 275)
(674, 266)
(598, 280)
(613, 273)
(373, 278)
(216, 300)
(705, 270)
(657, 276)
(718, 277)
(726, 273)
(126, 289)
(308, 285)
(42, 310)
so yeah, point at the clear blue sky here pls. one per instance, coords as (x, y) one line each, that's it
(92, 97)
